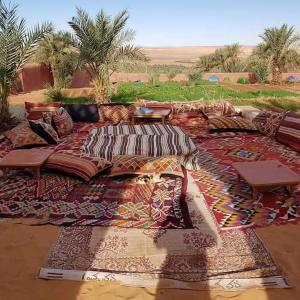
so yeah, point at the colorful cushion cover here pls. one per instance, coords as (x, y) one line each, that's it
(35, 110)
(79, 164)
(83, 112)
(62, 122)
(115, 114)
(267, 122)
(289, 131)
(219, 109)
(45, 130)
(135, 164)
(225, 124)
(23, 136)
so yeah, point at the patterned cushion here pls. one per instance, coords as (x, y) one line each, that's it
(188, 106)
(267, 122)
(35, 110)
(45, 130)
(79, 164)
(23, 136)
(223, 124)
(62, 121)
(115, 113)
(289, 130)
(219, 109)
(135, 164)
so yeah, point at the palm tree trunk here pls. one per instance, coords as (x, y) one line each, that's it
(276, 75)
(4, 104)
(101, 88)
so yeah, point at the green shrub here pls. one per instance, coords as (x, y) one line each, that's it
(195, 76)
(261, 72)
(243, 80)
(54, 93)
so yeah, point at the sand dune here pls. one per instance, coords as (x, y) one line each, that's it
(184, 55)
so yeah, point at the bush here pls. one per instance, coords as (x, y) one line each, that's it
(261, 72)
(195, 76)
(54, 93)
(243, 80)
(226, 79)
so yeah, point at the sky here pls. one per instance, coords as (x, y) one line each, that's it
(176, 23)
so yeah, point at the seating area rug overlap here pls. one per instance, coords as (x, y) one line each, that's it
(166, 235)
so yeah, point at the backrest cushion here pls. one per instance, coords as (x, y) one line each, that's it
(44, 130)
(35, 109)
(267, 122)
(219, 109)
(289, 131)
(83, 112)
(23, 136)
(114, 114)
(231, 124)
(62, 121)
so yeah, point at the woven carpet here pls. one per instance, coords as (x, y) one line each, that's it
(230, 200)
(196, 258)
(103, 201)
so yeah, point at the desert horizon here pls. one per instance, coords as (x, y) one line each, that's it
(185, 55)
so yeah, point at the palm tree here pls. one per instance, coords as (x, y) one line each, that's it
(17, 45)
(277, 47)
(226, 59)
(58, 51)
(104, 43)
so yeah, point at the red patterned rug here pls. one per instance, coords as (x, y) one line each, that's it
(104, 201)
(231, 201)
(198, 258)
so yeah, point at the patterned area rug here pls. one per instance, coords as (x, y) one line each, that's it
(231, 201)
(198, 258)
(103, 201)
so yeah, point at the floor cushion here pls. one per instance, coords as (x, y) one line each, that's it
(23, 136)
(289, 131)
(44, 130)
(77, 163)
(267, 122)
(233, 124)
(136, 164)
(35, 109)
(115, 114)
(63, 122)
(83, 112)
(219, 109)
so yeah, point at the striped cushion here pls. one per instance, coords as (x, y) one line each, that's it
(35, 109)
(107, 146)
(62, 121)
(225, 124)
(289, 131)
(81, 165)
(135, 164)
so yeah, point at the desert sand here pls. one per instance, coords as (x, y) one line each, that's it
(24, 248)
(184, 55)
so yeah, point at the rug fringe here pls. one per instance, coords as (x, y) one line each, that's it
(151, 281)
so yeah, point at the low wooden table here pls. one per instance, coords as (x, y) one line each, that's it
(25, 158)
(158, 113)
(263, 175)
